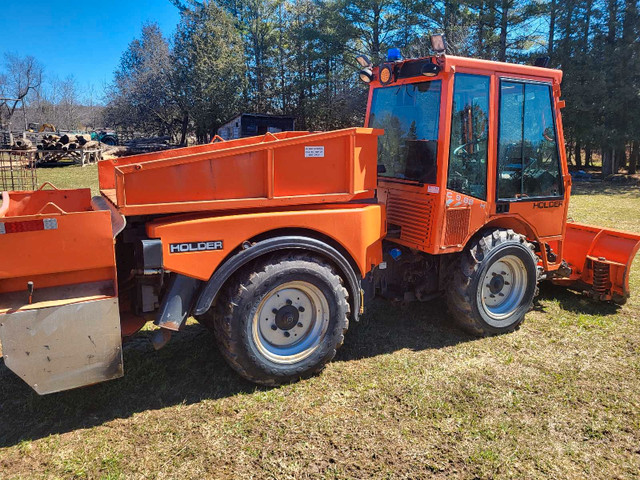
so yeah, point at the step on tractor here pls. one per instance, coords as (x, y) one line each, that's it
(456, 187)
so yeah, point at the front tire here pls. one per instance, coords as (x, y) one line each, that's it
(494, 283)
(282, 319)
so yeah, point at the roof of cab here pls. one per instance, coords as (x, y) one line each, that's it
(451, 63)
(502, 67)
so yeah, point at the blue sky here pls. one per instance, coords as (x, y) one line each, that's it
(84, 39)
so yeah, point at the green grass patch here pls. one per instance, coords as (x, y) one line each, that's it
(71, 176)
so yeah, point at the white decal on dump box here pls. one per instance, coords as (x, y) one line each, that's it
(433, 189)
(313, 152)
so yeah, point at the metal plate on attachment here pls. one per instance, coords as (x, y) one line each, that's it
(63, 347)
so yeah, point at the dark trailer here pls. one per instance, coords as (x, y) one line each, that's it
(251, 124)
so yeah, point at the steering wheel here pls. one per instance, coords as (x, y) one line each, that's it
(461, 149)
(533, 163)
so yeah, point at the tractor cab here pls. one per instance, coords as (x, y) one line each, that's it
(468, 143)
(474, 148)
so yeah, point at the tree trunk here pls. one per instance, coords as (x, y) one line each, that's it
(504, 25)
(183, 129)
(481, 27)
(612, 10)
(621, 158)
(375, 34)
(633, 158)
(569, 148)
(24, 117)
(552, 27)
(587, 156)
(607, 162)
(578, 154)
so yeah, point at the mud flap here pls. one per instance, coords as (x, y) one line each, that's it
(62, 347)
(600, 260)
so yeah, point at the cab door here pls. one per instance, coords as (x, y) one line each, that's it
(528, 175)
(469, 150)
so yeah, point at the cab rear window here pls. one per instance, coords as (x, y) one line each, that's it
(528, 161)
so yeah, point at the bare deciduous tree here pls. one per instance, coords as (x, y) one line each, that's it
(22, 76)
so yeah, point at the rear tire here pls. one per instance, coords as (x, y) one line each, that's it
(494, 283)
(282, 319)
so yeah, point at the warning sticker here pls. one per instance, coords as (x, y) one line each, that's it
(313, 152)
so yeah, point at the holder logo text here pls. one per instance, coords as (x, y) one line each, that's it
(195, 246)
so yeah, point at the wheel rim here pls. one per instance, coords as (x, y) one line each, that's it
(503, 287)
(290, 322)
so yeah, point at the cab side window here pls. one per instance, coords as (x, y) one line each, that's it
(469, 132)
(528, 162)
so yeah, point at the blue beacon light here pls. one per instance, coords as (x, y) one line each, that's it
(394, 55)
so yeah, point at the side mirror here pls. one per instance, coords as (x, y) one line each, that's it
(382, 168)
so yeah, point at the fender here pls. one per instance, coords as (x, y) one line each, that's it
(229, 267)
(197, 245)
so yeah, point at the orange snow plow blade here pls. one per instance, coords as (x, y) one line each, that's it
(600, 260)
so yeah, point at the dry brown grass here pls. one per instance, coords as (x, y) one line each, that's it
(408, 397)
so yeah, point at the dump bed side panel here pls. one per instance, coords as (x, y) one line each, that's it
(291, 168)
(106, 168)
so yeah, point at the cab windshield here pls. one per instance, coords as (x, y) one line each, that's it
(409, 115)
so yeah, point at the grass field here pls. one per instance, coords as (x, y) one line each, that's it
(408, 396)
(71, 177)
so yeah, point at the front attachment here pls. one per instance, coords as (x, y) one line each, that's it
(600, 260)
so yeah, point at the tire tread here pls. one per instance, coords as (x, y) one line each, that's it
(231, 341)
(461, 293)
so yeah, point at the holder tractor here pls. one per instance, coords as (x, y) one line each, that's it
(457, 187)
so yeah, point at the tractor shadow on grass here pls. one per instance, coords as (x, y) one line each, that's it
(187, 370)
(190, 369)
(389, 327)
(574, 302)
(628, 189)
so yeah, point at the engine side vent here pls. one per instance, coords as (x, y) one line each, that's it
(412, 212)
(457, 226)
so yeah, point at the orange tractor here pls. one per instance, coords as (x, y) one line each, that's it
(458, 186)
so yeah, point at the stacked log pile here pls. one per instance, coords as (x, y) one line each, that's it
(22, 144)
(67, 142)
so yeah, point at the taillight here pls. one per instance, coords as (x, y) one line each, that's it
(28, 226)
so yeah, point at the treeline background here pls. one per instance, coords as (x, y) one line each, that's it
(297, 57)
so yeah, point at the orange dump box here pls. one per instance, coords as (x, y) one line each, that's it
(287, 168)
